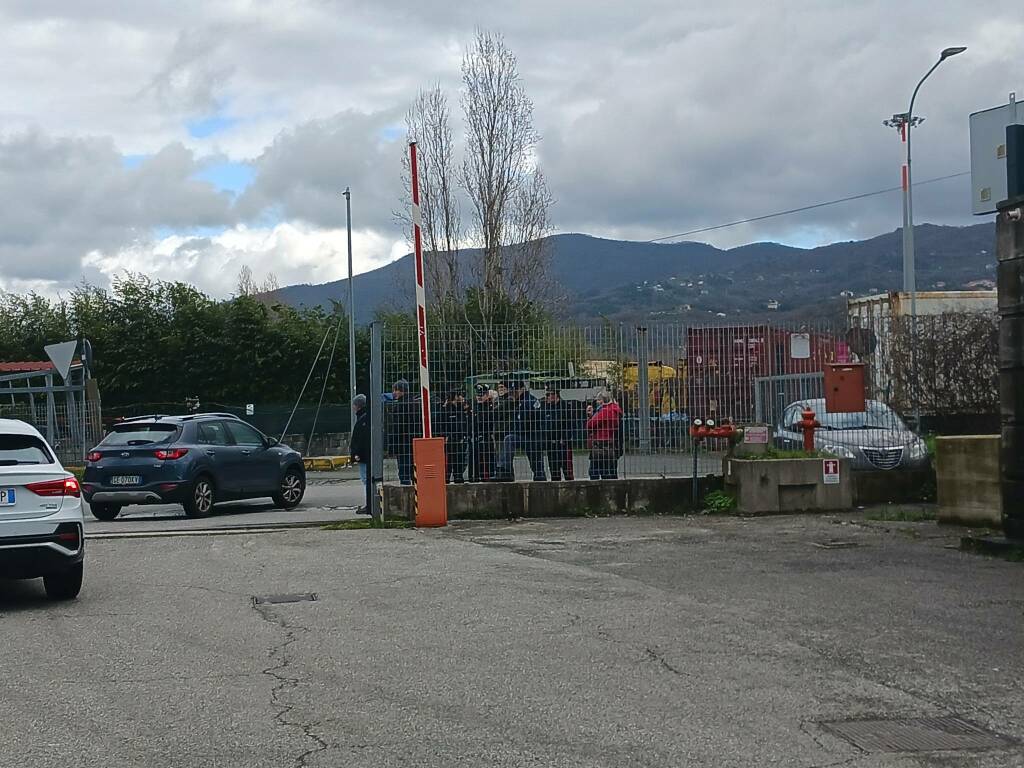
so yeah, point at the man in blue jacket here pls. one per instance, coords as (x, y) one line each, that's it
(523, 431)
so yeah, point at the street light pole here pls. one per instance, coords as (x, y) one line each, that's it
(905, 123)
(351, 303)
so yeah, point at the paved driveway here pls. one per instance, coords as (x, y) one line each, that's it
(330, 496)
(612, 642)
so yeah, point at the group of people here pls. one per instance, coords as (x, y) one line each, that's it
(482, 437)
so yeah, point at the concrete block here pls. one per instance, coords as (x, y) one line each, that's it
(786, 485)
(967, 479)
(575, 498)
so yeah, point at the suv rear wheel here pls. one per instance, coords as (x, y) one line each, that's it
(105, 511)
(201, 497)
(64, 585)
(293, 488)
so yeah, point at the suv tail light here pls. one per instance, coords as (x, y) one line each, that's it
(94, 456)
(65, 487)
(170, 454)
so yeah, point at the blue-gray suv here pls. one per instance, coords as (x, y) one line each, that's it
(195, 461)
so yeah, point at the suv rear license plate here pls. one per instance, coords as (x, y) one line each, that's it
(125, 480)
(6, 497)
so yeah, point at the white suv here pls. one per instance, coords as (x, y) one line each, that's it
(40, 513)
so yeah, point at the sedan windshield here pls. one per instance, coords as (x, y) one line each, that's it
(873, 419)
(23, 449)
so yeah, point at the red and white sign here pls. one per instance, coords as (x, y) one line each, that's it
(830, 471)
(755, 435)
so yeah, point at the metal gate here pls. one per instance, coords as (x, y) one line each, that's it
(67, 414)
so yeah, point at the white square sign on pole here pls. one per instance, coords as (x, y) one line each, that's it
(830, 471)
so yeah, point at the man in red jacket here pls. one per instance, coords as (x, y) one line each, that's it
(604, 426)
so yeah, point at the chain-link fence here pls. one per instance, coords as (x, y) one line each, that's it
(310, 429)
(565, 402)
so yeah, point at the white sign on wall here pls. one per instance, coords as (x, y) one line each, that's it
(830, 471)
(800, 346)
(755, 435)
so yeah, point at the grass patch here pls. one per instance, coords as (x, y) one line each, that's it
(78, 472)
(367, 524)
(929, 440)
(775, 453)
(719, 503)
(901, 515)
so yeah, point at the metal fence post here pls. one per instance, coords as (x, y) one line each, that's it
(643, 391)
(51, 410)
(376, 420)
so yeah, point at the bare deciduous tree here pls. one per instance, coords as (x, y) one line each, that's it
(527, 274)
(428, 123)
(509, 198)
(246, 285)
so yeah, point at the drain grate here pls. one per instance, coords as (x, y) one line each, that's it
(924, 734)
(302, 597)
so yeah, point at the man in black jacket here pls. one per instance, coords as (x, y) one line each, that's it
(557, 431)
(453, 426)
(403, 424)
(481, 436)
(359, 446)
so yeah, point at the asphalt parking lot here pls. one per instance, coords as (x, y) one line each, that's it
(330, 496)
(597, 642)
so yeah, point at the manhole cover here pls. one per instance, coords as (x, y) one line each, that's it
(925, 734)
(303, 597)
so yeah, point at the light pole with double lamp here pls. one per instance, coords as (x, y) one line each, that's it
(904, 122)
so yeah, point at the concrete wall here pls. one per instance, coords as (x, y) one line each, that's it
(495, 501)
(967, 479)
(786, 485)
(892, 486)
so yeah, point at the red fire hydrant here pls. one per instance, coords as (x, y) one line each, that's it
(807, 425)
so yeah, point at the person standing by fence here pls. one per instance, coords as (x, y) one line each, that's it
(403, 425)
(481, 437)
(359, 446)
(523, 431)
(453, 426)
(604, 433)
(557, 431)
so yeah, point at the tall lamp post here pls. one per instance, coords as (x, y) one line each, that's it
(351, 302)
(904, 122)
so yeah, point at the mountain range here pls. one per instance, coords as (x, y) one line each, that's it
(626, 281)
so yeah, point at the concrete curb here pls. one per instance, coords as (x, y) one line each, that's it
(226, 531)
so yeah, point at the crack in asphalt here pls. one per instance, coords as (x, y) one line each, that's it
(283, 682)
(655, 655)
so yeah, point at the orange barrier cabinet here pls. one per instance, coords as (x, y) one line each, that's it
(431, 493)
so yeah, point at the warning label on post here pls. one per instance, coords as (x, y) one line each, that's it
(830, 471)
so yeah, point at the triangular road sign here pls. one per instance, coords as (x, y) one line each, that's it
(61, 356)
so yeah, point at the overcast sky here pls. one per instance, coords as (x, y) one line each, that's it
(185, 139)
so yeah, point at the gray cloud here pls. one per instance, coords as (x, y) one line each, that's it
(302, 173)
(66, 197)
(656, 116)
